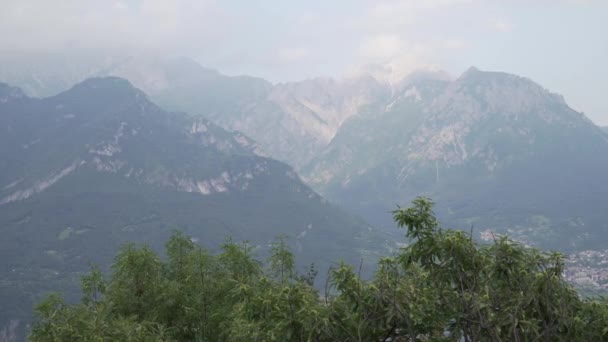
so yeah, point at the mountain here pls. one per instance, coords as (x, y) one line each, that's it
(605, 129)
(98, 165)
(497, 152)
(291, 121)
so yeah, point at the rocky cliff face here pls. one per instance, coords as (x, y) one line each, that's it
(290, 121)
(493, 149)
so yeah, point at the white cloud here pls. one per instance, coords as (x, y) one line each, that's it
(400, 6)
(583, 2)
(121, 6)
(455, 44)
(501, 25)
(27, 25)
(398, 14)
(293, 54)
(389, 57)
(394, 70)
(401, 36)
(308, 18)
(382, 46)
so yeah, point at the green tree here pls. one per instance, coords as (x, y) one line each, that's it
(442, 286)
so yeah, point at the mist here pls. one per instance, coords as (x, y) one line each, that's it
(560, 44)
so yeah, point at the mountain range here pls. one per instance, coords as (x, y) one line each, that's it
(497, 152)
(290, 121)
(99, 165)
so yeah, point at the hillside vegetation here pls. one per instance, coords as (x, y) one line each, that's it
(99, 165)
(443, 286)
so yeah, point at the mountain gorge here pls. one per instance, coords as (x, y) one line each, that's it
(100, 164)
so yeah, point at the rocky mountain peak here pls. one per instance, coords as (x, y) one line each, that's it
(99, 85)
(497, 93)
(476, 81)
(471, 71)
(505, 109)
(473, 75)
(107, 94)
(426, 75)
(496, 148)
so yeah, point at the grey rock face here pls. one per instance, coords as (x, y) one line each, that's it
(493, 149)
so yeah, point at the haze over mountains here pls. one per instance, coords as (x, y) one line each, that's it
(304, 115)
(100, 163)
(528, 164)
(368, 143)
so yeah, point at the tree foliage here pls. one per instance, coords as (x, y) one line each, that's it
(443, 286)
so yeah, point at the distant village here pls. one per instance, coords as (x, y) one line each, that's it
(587, 270)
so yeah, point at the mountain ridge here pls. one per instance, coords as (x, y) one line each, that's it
(427, 130)
(100, 165)
(486, 135)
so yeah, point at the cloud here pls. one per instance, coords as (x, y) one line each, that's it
(308, 18)
(121, 6)
(390, 7)
(582, 2)
(381, 46)
(455, 44)
(390, 57)
(398, 14)
(500, 25)
(293, 54)
(27, 25)
(404, 35)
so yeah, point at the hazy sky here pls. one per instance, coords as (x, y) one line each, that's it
(562, 44)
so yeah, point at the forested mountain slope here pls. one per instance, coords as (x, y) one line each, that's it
(98, 165)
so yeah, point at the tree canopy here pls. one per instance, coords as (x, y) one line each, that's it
(442, 286)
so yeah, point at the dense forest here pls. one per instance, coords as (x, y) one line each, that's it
(442, 286)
